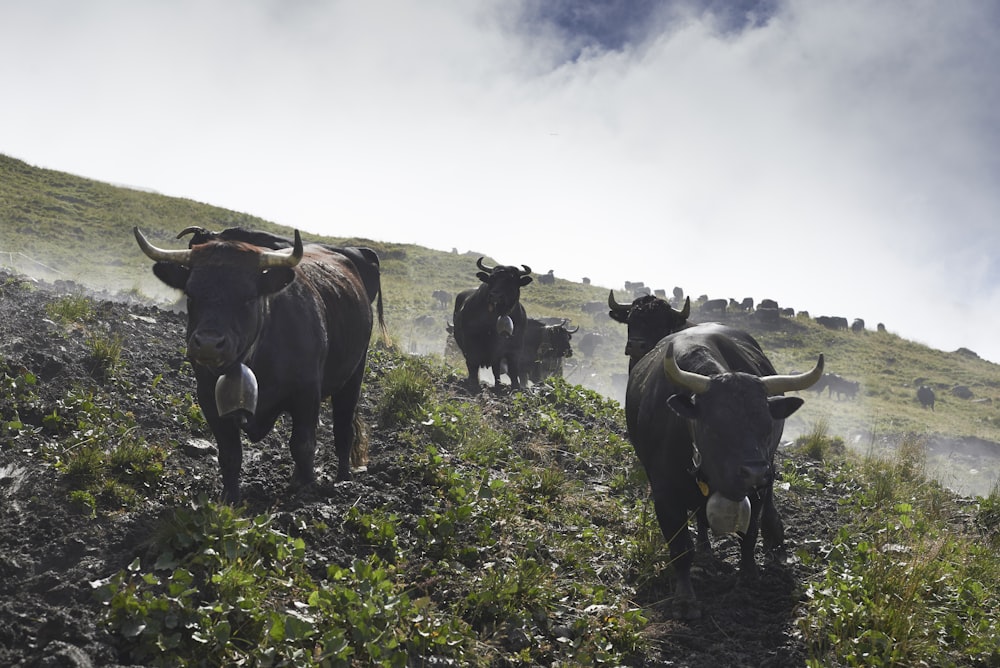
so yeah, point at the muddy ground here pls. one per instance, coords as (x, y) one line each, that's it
(50, 551)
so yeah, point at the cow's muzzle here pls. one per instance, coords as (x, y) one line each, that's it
(756, 475)
(211, 350)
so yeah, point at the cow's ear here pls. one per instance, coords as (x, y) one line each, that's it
(618, 316)
(683, 406)
(525, 280)
(483, 276)
(783, 407)
(275, 279)
(174, 275)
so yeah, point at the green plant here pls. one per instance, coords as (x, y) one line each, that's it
(405, 389)
(70, 309)
(105, 354)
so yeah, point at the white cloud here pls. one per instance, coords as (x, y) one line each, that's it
(841, 157)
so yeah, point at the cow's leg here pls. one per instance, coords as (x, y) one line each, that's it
(227, 437)
(673, 520)
(345, 404)
(302, 445)
(771, 527)
(704, 544)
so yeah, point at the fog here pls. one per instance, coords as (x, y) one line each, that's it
(837, 157)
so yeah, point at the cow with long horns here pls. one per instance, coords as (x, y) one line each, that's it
(489, 323)
(705, 412)
(272, 332)
(648, 319)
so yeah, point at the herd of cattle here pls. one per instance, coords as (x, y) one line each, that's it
(275, 326)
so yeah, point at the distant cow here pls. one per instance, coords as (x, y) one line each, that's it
(767, 303)
(442, 298)
(548, 278)
(744, 306)
(839, 385)
(648, 320)
(926, 396)
(704, 413)
(767, 314)
(832, 322)
(713, 306)
(543, 350)
(489, 322)
(588, 343)
(858, 326)
(277, 331)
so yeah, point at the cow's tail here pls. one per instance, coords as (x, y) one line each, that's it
(383, 330)
(359, 449)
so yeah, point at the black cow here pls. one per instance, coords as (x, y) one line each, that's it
(547, 279)
(589, 342)
(271, 332)
(840, 385)
(648, 319)
(926, 396)
(442, 298)
(704, 416)
(858, 326)
(489, 323)
(713, 306)
(543, 350)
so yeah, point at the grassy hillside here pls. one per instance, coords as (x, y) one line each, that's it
(59, 226)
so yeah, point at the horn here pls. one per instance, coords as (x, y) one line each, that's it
(686, 311)
(273, 259)
(527, 270)
(192, 229)
(574, 330)
(161, 254)
(791, 383)
(695, 382)
(479, 263)
(615, 306)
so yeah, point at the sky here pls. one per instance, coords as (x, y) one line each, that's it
(840, 157)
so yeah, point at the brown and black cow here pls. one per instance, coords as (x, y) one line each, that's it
(489, 323)
(649, 319)
(272, 332)
(704, 415)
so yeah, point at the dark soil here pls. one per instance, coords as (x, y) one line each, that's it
(50, 551)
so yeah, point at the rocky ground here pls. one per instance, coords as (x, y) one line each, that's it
(50, 551)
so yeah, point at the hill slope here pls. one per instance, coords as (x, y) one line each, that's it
(59, 226)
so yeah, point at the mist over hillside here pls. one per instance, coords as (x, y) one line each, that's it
(61, 227)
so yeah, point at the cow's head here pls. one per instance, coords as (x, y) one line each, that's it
(556, 340)
(504, 285)
(227, 284)
(733, 418)
(649, 319)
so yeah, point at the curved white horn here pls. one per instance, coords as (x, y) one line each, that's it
(792, 383)
(695, 382)
(161, 254)
(272, 259)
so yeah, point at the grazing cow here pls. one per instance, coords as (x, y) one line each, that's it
(926, 397)
(713, 306)
(648, 319)
(489, 323)
(768, 303)
(271, 332)
(840, 385)
(588, 343)
(548, 278)
(543, 350)
(705, 415)
(832, 322)
(858, 326)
